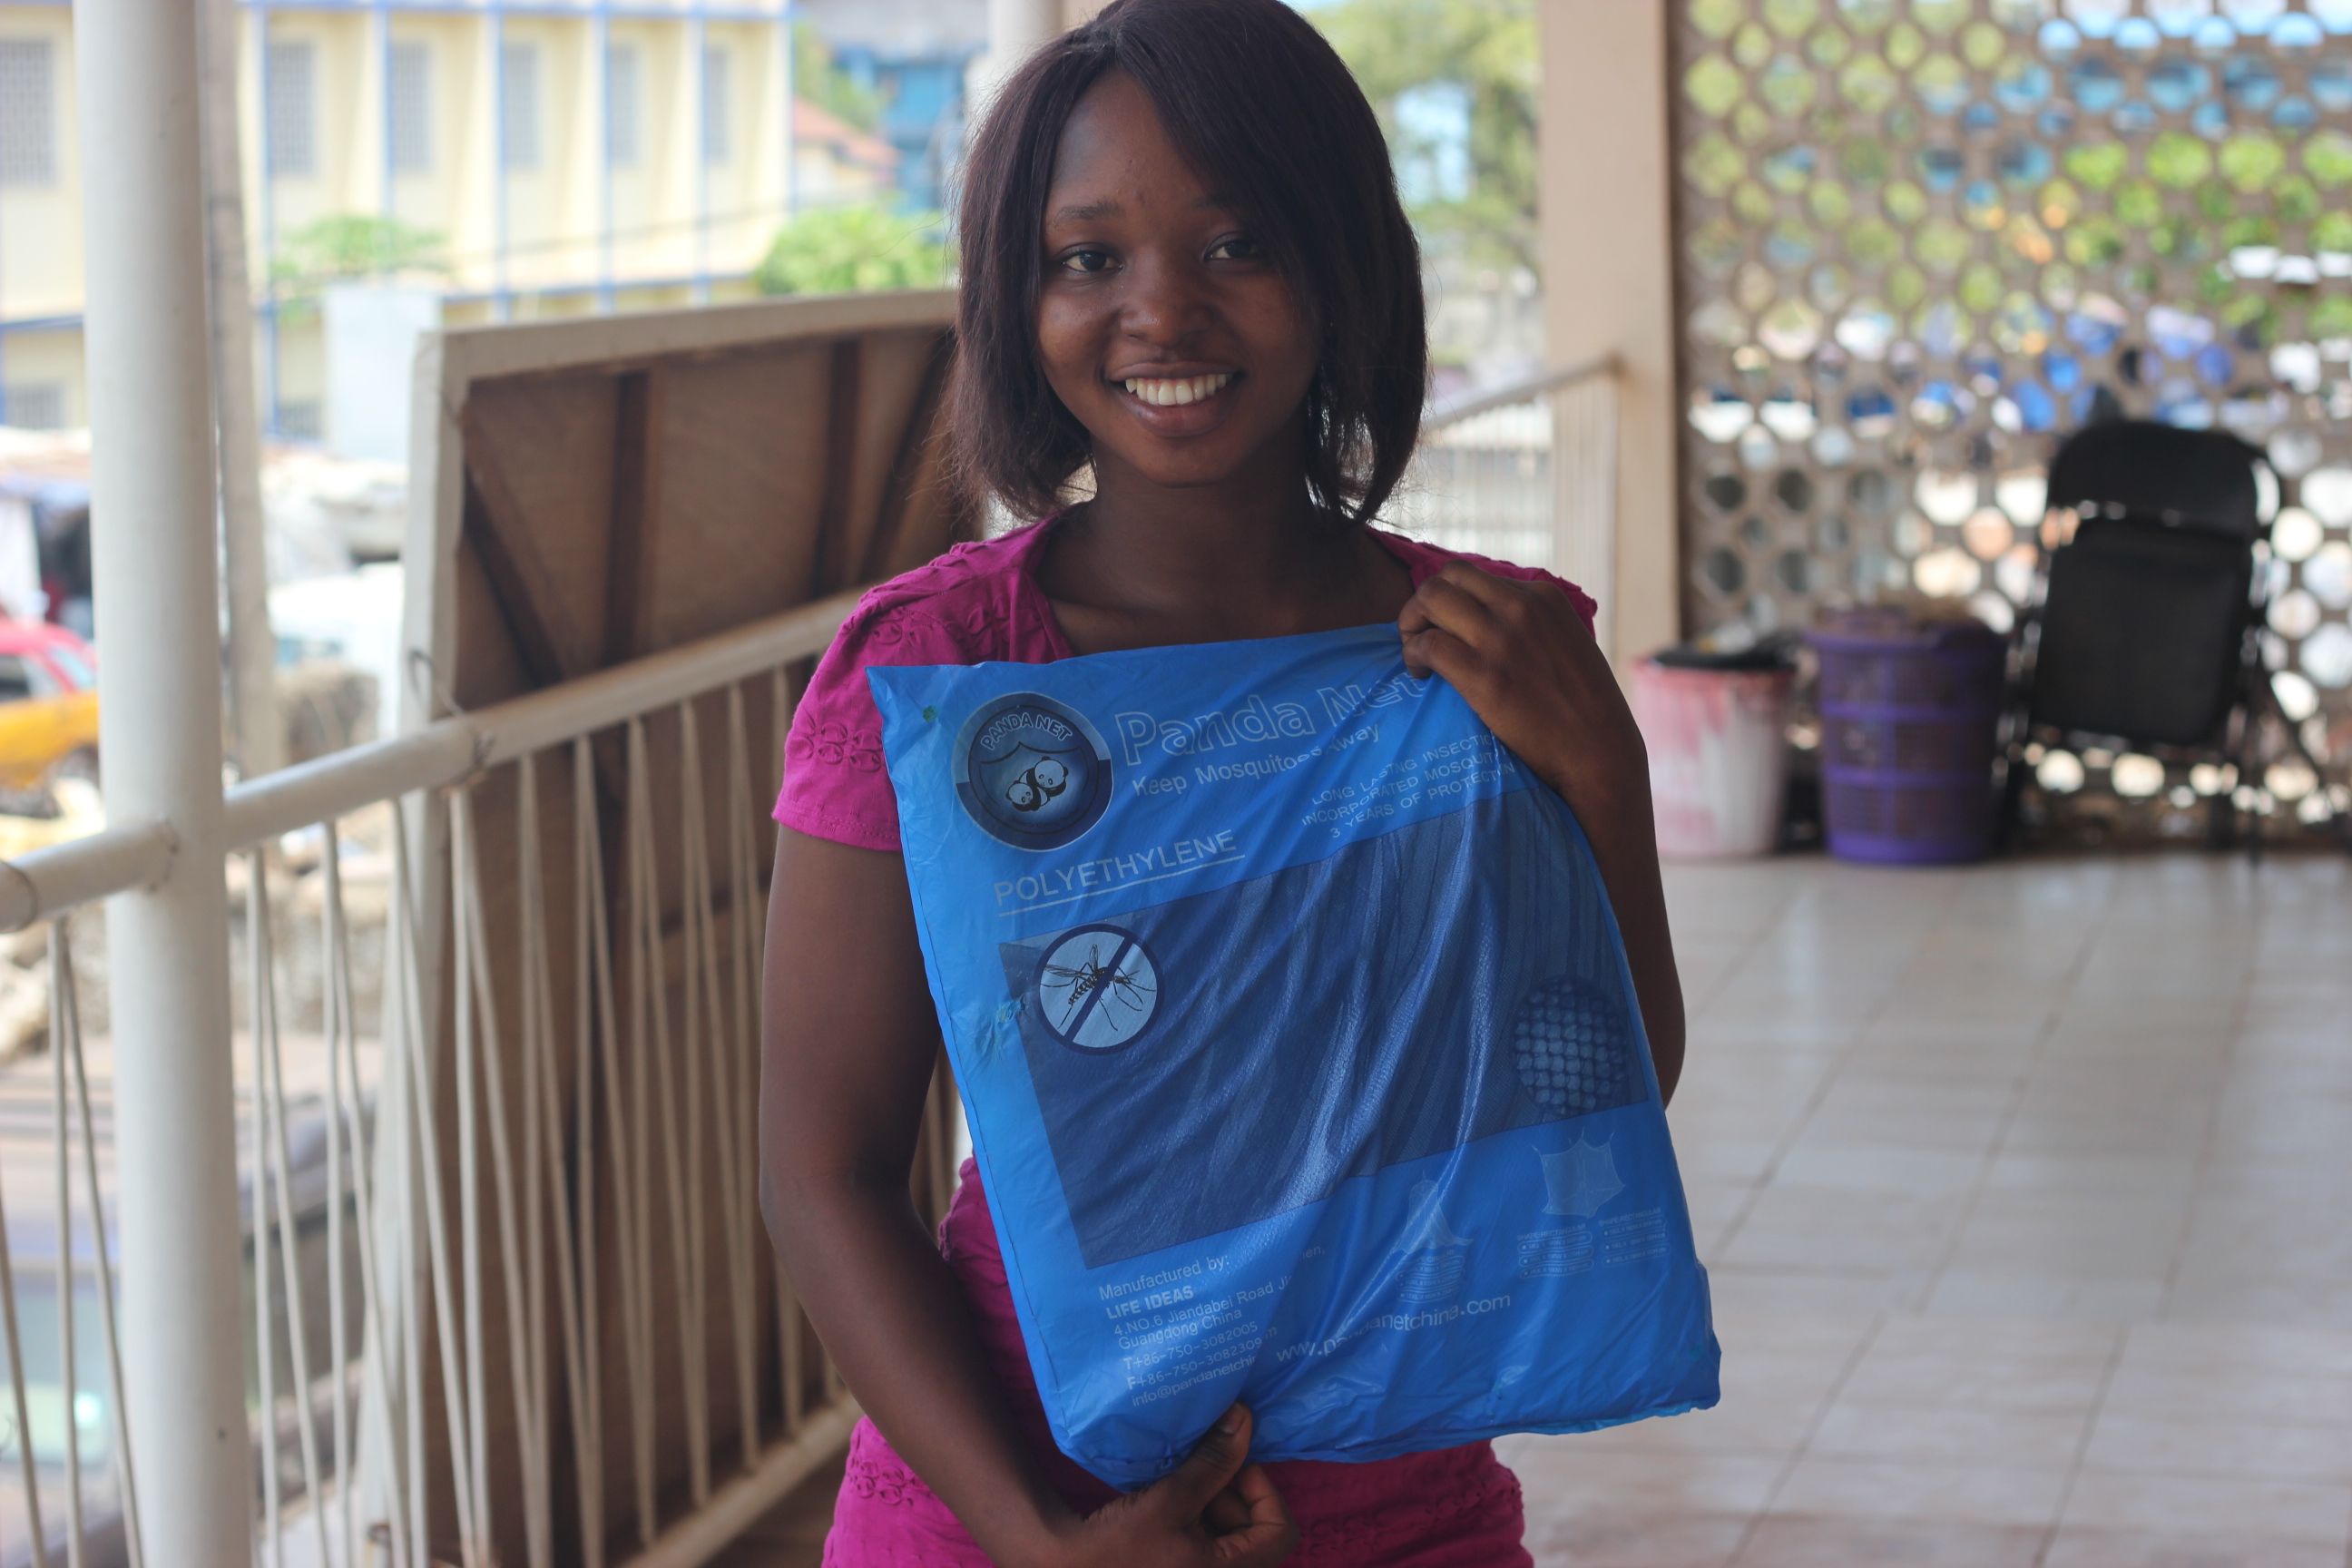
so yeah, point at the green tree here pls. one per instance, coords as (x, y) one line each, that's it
(1487, 49)
(817, 77)
(344, 247)
(836, 250)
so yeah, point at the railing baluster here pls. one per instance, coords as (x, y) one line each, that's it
(541, 1519)
(426, 1147)
(719, 1045)
(23, 1433)
(741, 1104)
(338, 1350)
(271, 1546)
(412, 1306)
(693, 1046)
(68, 1375)
(342, 1059)
(545, 1123)
(469, 1194)
(396, 1118)
(646, 960)
(65, 1036)
(788, 1309)
(625, 1114)
(268, 1059)
(587, 894)
(523, 1347)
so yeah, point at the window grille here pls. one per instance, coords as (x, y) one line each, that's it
(519, 112)
(292, 117)
(33, 405)
(717, 100)
(28, 153)
(622, 141)
(411, 92)
(301, 419)
(1921, 241)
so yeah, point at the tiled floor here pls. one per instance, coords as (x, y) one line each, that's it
(2027, 1192)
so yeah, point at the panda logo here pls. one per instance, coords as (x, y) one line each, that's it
(1032, 772)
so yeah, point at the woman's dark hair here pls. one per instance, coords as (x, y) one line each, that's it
(1263, 109)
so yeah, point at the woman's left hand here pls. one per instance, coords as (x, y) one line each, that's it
(1527, 664)
(1523, 658)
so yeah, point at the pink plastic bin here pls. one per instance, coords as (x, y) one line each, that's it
(1718, 771)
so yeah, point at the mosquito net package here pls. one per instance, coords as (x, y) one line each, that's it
(1299, 1054)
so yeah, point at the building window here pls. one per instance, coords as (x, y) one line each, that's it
(293, 109)
(33, 405)
(301, 419)
(717, 101)
(519, 111)
(28, 153)
(411, 94)
(621, 105)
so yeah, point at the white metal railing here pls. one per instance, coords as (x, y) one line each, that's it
(427, 1404)
(514, 1306)
(1526, 473)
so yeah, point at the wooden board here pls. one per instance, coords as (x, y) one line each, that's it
(592, 492)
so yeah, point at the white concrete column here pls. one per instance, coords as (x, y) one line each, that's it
(1015, 29)
(1605, 195)
(160, 741)
(252, 647)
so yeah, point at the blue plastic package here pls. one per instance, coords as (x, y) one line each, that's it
(1299, 1054)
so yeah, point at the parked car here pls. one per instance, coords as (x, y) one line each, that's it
(49, 705)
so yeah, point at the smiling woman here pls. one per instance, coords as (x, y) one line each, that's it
(1184, 265)
(1276, 188)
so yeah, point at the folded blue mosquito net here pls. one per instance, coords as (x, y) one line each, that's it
(1298, 1051)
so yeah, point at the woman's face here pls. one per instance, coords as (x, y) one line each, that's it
(1164, 328)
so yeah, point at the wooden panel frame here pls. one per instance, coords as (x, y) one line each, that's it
(553, 514)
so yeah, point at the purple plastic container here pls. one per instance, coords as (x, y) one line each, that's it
(1910, 714)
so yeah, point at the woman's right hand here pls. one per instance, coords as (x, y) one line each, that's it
(1214, 1510)
(850, 1044)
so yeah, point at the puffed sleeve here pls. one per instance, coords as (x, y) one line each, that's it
(835, 783)
(1576, 595)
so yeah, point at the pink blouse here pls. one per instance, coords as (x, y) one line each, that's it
(1457, 1507)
